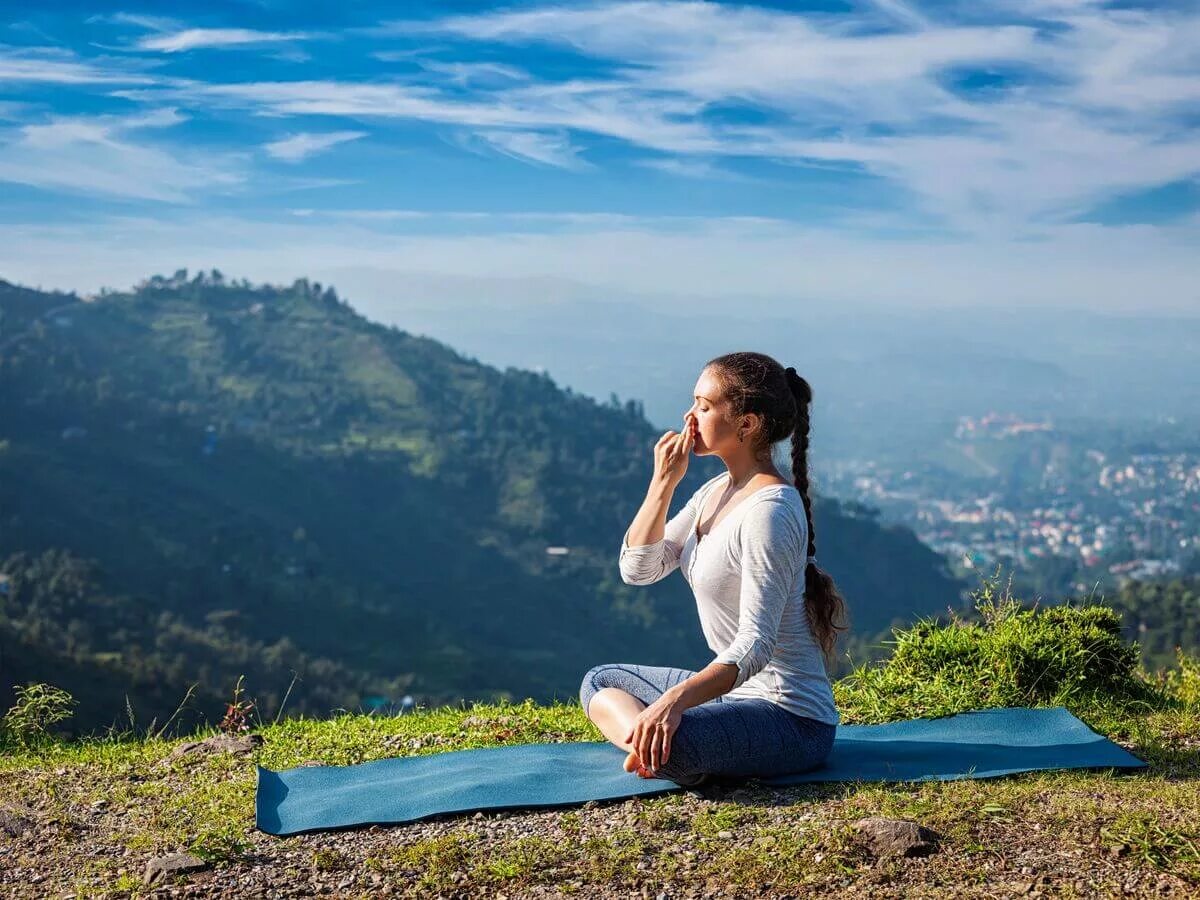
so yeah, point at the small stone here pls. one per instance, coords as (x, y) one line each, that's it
(218, 743)
(897, 837)
(725, 835)
(162, 868)
(15, 819)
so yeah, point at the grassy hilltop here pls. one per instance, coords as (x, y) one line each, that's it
(96, 810)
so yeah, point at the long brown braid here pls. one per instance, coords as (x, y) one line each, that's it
(756, 383)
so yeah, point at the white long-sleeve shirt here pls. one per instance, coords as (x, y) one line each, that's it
(747, 575)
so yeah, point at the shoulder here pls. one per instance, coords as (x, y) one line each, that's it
(776, 515)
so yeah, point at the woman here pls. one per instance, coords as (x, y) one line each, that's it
(746, 545)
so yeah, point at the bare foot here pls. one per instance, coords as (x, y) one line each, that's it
(632, 763)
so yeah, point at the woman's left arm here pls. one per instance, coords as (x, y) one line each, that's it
(771, 559)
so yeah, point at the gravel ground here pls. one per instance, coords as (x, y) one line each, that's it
(57, 857)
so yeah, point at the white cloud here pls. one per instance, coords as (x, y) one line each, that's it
(49, 65)
(700, 169)
(465, 73)
(902, 12)
(153, 23)
(196, 38)
(534, 146)
(1103, 109)
(299, 147)
(92, 155)
(1101, 102)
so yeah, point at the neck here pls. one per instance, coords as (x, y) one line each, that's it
(742, 470)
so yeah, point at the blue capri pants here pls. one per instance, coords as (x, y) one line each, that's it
(725, 736)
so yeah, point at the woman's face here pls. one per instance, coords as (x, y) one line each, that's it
(705, 417)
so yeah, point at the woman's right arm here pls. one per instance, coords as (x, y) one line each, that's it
(650, 550)
(656, 547)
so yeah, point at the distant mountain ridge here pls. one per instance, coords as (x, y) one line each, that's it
(269, 483)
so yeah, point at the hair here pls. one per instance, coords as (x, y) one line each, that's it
(756, 383)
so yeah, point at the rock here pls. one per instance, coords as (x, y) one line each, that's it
(16, 819)
(897, 837)
(218, 743)
(162, 868)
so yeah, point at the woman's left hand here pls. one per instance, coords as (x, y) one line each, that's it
(652, 732)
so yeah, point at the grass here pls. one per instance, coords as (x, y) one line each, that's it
(1122, 829)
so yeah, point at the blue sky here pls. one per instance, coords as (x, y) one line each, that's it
(695, 152)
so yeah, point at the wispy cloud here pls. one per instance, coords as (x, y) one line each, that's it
(1112, 87)
(52, 65)
(701, 169)
(471, 73)
(299, 147)
(197, 38)
(975, 133)
(95, 155)
(138, 20)
(535, 146)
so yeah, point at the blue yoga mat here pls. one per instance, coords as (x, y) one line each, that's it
(979, 744)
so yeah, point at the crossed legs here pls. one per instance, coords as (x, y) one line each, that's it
(722, 737)
(614, 708)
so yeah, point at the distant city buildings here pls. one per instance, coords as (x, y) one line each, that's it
(1133, 518)
(996, 425)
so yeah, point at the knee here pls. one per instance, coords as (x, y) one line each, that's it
(594, 680)
(589, 686)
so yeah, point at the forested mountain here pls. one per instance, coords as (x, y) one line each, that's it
(202, 478)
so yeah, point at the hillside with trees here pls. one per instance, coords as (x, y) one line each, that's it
(201, 479)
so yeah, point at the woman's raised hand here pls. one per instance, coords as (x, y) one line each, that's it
(672, 453)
